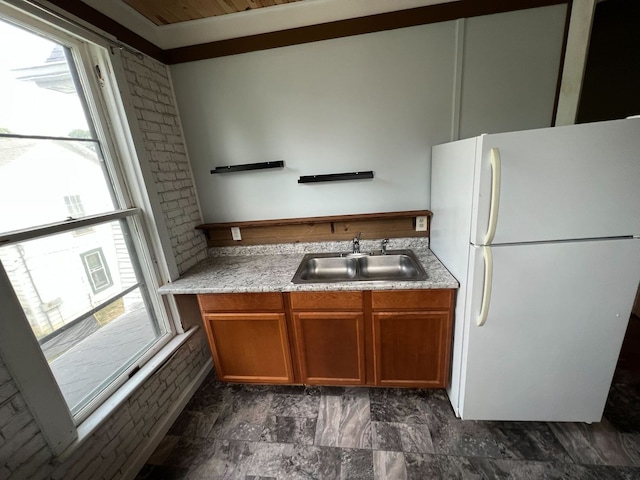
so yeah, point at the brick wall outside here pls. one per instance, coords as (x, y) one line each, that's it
(159, 122)
(24, 453)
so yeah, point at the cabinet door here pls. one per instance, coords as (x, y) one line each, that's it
(330, 347)
(250, 347)
(411, 349)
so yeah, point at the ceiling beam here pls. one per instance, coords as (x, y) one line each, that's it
(100, 20)
(353, 26)
(306, 34)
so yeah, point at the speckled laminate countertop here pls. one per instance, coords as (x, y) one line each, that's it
(270, 268)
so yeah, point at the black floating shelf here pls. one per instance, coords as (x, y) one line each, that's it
(248, 166)
(333, 177)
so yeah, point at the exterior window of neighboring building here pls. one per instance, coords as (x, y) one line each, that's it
(74, 206)
(79, 274)
(76, 210)
(97, 270)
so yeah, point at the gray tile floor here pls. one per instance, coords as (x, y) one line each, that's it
(259, 432)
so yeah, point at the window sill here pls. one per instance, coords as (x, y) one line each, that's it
(104, 411)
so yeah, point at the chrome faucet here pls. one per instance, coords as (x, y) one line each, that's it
(383, 249)
(356, 243)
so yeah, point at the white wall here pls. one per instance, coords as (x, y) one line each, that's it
(510, 70)
(370, 102)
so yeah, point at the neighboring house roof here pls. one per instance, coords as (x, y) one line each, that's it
(53, 74)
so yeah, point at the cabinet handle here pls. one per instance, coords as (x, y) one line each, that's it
(496, 167)
(488, 279)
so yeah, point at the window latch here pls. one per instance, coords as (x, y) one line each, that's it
(99, 75)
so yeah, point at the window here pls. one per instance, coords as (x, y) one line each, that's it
(76, 210)
(74, 206)
(97, 270)
(80, 270)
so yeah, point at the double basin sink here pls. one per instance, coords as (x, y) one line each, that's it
(395, 265)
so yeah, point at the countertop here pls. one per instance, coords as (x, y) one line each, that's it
(270, 268)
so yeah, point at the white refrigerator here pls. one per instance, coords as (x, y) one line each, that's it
(542, 230)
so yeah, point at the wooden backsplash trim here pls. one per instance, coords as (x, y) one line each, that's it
(317, 229)
(313, 220)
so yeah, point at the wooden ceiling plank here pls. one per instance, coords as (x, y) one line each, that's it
(190, 9)
(227, 6)
(206, 8)
(165, 12)
(156, 12)
(168, 12)
(241, 5)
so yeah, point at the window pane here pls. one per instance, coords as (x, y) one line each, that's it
(66, 284)
(97, 269)
(74, 206)
(37, 92)
(52, 279)
(47, 181)
(81, 290)
(88, 356)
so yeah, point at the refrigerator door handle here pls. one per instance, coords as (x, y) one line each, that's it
(488, 279)
(495, 195)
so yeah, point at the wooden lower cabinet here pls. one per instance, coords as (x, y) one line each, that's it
(399, 338)
(329, 347)
(412, 335)
(248, 345)
(329, 337)
(410, 349)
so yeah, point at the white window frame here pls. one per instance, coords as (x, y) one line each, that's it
(110, 106)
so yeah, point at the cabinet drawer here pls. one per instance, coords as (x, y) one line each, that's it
(241, 302)
(326, 300)
(412, 299)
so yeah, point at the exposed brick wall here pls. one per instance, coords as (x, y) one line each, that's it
(153, 99)
(24, 453)
(23, 449)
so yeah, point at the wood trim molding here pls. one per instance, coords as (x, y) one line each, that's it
(295, 36)
(122, 33)
(317, 229)
(354, 26)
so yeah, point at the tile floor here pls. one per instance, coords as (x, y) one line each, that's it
(264, 432)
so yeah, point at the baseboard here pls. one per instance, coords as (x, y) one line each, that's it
(134, 465)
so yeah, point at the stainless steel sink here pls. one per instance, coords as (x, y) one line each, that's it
(392, 267)
(327, 269)
(396, 265)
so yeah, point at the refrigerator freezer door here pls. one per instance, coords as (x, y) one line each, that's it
(557, 317)
(561, 183)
